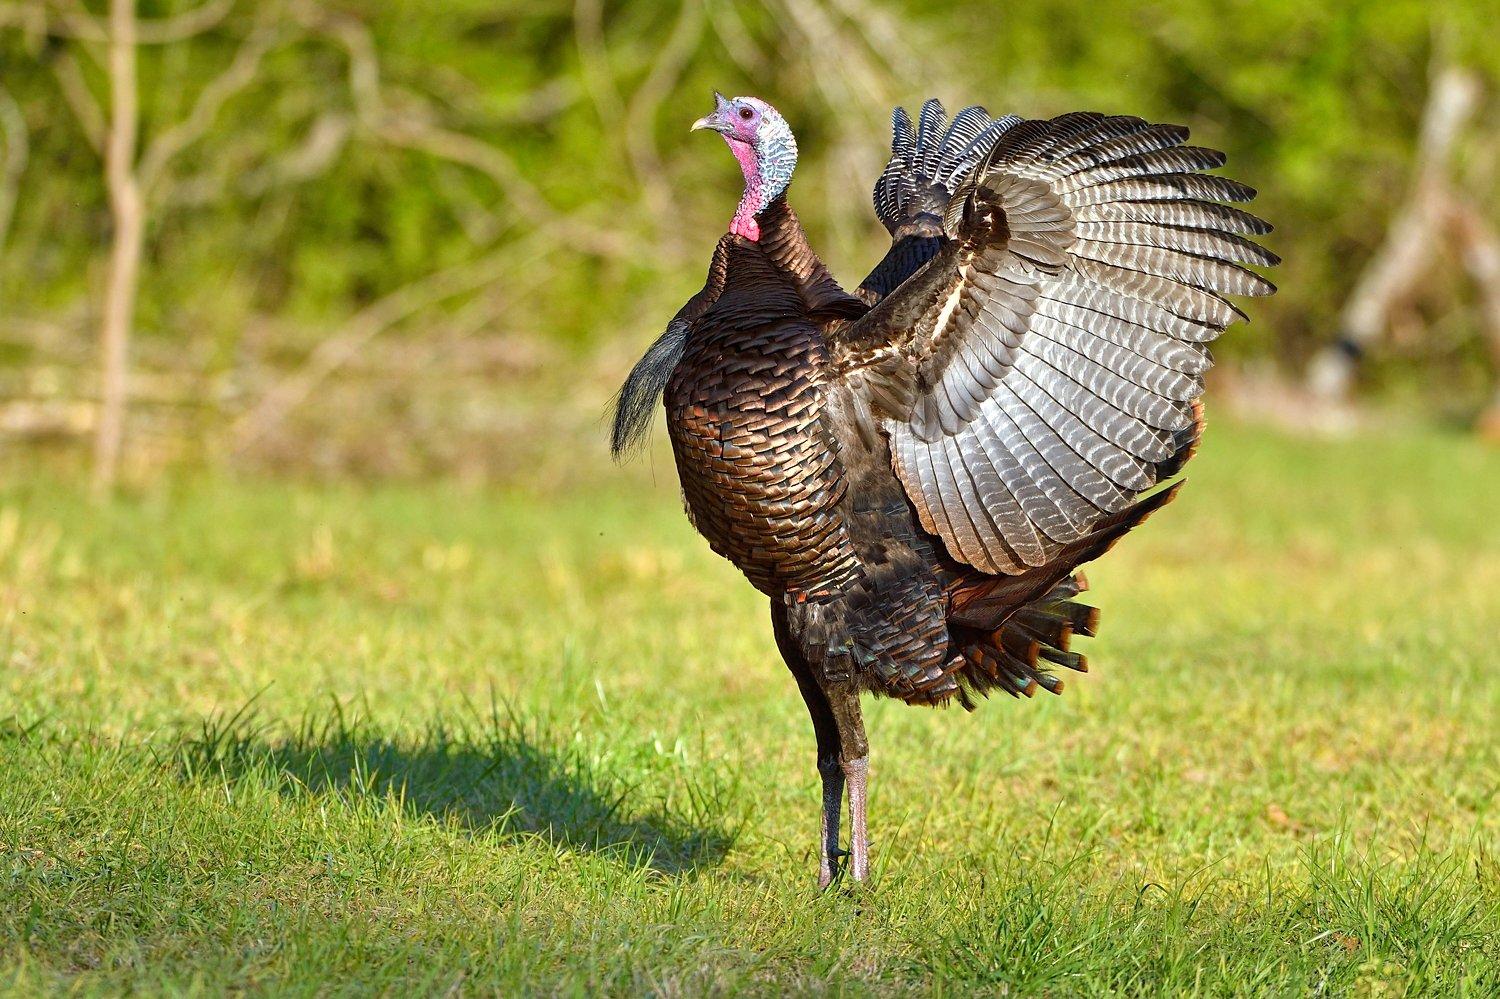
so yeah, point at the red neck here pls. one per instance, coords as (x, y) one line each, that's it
(754, 199)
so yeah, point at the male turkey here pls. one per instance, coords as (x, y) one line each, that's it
(913, 472)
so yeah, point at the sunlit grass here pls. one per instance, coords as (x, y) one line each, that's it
(360, 738)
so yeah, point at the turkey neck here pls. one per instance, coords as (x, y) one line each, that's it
(783, 241)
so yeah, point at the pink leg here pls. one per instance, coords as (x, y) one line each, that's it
(856, 772)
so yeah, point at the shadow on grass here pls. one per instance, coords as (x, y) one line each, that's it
(498, 776)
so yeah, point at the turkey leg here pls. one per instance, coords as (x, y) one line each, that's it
(854, 760)
(830, 762)
(829, 853)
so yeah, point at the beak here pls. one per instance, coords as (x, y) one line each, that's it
(716, 120)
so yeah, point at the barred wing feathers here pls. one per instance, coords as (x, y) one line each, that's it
(1041, 371)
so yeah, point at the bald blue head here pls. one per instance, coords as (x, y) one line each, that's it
(763, 143)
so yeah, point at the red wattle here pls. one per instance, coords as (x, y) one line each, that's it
(745, 225)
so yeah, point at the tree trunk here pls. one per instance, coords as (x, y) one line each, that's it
(1395, 271)
(1481, 253)
(125, 251)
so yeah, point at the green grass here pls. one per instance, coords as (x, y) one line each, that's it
(411, 738)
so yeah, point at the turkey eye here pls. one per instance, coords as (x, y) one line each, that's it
(746, 113)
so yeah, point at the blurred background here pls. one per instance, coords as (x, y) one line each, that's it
(400, 239)
(373, 675)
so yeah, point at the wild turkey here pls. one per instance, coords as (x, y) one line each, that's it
(913, 472)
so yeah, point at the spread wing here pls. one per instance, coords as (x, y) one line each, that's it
(1041, 370)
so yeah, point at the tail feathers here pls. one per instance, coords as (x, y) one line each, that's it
(1058, 621)
(1019, 656)
(989, 667)
(929, 163)
(1013, 631)
(989, 601)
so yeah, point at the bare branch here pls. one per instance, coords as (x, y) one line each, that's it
(29, 17)
(312, 157)
(128, 210)
(70, 19)
(593, 62)
(853, 79)
(1480, 244)
(887, 37)
(414, 130)
(850, 79)
(640, 119)
(474, 212)
(189, 23)
(1481, 250)
(1398, 266)
(316, 153)
(524, 198)
(17, 150)
(80, 99)
(240, 74)
(410, 133)
(665, 71)
(364, 62)
(541, 104)
(337, 350)
(738, 42)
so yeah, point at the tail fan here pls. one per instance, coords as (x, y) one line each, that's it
(1020, 657)
(1013, 631)
(927, 165)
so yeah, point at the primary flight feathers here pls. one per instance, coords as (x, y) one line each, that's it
(1038, 372)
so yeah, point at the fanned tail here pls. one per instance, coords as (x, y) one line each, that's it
(1014, 632)
(929, 163)
(1020, 656)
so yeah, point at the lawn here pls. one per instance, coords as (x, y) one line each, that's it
(346, 738)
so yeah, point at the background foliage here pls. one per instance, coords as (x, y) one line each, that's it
(535, 157)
